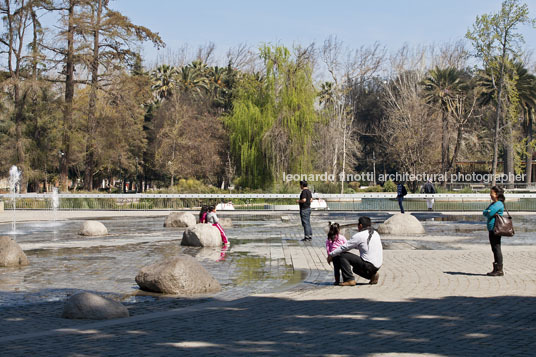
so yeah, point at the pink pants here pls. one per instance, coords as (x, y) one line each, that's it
(223, 236)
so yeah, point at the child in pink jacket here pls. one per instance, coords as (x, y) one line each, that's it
(334, 241)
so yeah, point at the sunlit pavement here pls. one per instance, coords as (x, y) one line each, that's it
(427, 302)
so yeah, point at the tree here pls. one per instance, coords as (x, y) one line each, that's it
(113, 35)
(495, 39)
(272, 123)
(441, 87)
(353, 71)
(17, 17)
(163, 78)
(526, 90)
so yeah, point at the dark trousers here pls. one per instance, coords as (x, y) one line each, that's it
(495, 242)
(346, 261)
(305, 215)
(400, 200)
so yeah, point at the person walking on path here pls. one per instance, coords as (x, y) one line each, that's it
(306, 197)
(334, 241)
(213, 219)
(400, 193)
(369, 260)
(429, 189)
(496, 207)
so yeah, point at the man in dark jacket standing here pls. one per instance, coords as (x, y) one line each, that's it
(429, 188)
(306, 197)
(400, 193)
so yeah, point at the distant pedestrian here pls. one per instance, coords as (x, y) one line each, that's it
(429, 189)
(306, 197)
(496, 207)
(334, 241)
(213, 219)
(400, 193)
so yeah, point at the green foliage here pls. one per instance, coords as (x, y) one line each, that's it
(194, 186)
(271, 126)
(376, 188)
(389, 186)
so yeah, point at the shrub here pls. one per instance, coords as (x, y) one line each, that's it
(389, 186)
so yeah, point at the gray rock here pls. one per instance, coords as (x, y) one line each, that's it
(226, 222)
(11, 254)
(93, 228)
(180, 219)
(182, 275)
(401, 224)
(93, 307)
(286, 218)
(202, 235)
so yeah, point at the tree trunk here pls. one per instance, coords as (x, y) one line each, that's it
(91, 146)
(508, 155)
(444, 146)
(68, 105)
(528, 172)
(459, 136)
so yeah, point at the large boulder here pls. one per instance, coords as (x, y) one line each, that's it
(11, 254)
(226, 222)
(401, 224)
(93, 307)
(181, 275)
(180, 219)
(202, 235)
(93, 228)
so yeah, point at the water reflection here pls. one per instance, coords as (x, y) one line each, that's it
(64, 262)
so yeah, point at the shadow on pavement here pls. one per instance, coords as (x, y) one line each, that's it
(463, 273)
(453, 326)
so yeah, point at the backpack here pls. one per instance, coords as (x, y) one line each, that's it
(404, 191)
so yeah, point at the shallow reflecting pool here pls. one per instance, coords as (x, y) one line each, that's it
(62, 262)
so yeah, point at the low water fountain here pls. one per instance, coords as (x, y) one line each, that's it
(55, 203)
(14, 178)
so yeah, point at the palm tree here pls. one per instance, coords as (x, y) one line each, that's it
(326, 94)
(441, 86)
(192, 78)
(526, 91)
(163, 78)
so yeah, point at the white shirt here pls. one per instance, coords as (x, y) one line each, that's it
(371, 252)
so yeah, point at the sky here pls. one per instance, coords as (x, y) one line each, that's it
(228, 23)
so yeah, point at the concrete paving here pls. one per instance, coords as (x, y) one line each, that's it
(427, 302)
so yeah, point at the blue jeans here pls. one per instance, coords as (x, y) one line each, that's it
(305, 215)
(400, 200)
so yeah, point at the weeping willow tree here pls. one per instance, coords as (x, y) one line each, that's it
(271, 126)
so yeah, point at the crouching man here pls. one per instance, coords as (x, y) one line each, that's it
(370, 257)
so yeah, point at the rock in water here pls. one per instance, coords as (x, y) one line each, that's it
(11, 254)
(202, 235)
(93, 228)
(181, 275)
(93, 307)
(401, 224)
(180, 219)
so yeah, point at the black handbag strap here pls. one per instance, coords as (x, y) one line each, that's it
(509, 215)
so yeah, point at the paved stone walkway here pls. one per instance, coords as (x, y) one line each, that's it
(428, 302)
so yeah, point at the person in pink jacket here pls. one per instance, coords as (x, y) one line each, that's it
(213, 219)
(334, 241)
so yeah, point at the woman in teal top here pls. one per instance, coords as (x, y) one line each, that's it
(496, 207)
